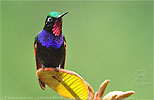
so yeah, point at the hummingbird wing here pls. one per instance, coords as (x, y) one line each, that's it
(38, 65)
(63, 64)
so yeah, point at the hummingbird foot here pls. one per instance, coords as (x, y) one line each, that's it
(58, 68)
(42, 66)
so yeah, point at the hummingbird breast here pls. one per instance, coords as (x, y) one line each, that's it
(50, 49)
(50, 40)
(50, 57)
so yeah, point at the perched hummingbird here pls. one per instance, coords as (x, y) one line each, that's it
(50, 44)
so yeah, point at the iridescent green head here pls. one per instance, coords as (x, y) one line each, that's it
(57, 15)
(54, 14)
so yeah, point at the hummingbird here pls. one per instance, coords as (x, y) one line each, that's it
(50, 44)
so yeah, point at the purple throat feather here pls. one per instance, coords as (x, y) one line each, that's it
(49, 40)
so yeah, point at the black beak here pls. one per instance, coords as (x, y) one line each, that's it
(60, 16)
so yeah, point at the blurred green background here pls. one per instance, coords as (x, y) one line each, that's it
(105, 40)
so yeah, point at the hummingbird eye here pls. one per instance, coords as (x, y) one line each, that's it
(49, 19)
